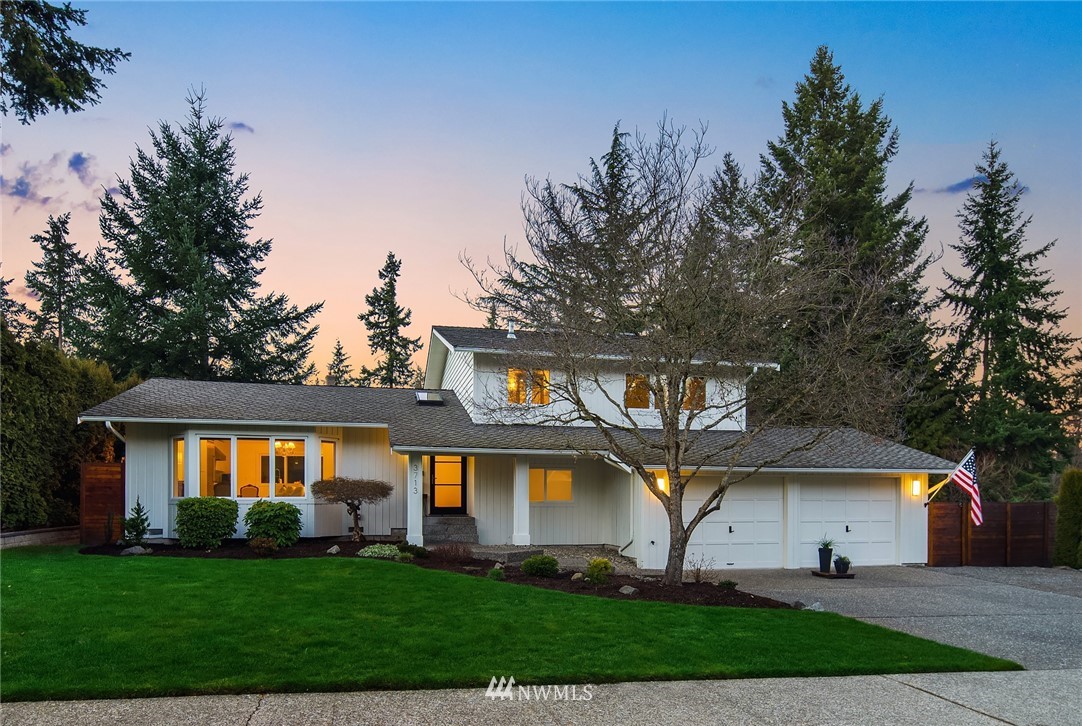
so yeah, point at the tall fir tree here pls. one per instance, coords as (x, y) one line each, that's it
(385, 320)
(1008, 359)
(174, 290)
(340, 370)
(834, 155)
(55, 281)
(14, 315)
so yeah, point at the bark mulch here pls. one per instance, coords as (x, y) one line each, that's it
(649, 588)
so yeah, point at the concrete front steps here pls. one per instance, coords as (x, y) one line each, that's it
(440, 530)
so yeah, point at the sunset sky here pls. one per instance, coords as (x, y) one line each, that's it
(411, 127)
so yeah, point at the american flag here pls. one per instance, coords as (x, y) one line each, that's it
(965, 476)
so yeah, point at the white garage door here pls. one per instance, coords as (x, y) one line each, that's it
(858, 513)
(745, 532)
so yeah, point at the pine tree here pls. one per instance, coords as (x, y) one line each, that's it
(16, 315)
(174, 289)
(385, 321)
(492, 320)
(1008, 361)
(55, 280)
(340, 370)
(834, 155)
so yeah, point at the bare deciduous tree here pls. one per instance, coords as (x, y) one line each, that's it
(652, 269)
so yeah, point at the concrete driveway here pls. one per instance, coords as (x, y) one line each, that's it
(1030, 615)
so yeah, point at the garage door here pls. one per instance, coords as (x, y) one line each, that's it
(745, 532)
(859, 514)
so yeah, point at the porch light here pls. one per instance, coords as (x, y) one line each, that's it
(916, 487)
(660, 482)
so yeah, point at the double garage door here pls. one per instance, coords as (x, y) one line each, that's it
(859, 514)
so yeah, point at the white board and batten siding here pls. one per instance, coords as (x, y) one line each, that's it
(366, 454)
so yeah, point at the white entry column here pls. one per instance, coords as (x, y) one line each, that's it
(521, 532)
(415, 502)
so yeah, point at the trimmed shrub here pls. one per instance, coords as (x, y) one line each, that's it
(136, 525)
(263, 546)
(353, 493)
(598, 570)
(727, 584)
(452, 552)
(405, 557)
(380, 552)
(280, 521)
(203, 522)
(415, 550)
(540, 566)
(1069, 520)
(496, 573)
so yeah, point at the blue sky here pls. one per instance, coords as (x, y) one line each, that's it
(411, 126)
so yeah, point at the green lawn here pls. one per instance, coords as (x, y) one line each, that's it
(76, 626)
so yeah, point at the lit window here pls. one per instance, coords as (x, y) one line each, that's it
(695, 394)
(550, 485)
(516, 385)
(636, 391)
(253, 468)
(215, 468)
(528, 386)
(178, 467)
(328, 466)
(289, 468)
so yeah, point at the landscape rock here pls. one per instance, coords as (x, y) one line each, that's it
(334, 550)
(576, 577)
(137, 550)
(799, 605)
(816, 606)
(629, 590)
(498, 566)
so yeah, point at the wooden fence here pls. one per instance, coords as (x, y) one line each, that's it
(101, 503)
(1013, 535)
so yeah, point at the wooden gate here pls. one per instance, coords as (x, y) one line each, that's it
(1014, 534)
(101, 503)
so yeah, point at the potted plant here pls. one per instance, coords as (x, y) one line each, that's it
(826, 549)
(841, 564)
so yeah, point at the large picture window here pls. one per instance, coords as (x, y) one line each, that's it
(264, 467)
(253, 468)
(215, 468)
(289, 479)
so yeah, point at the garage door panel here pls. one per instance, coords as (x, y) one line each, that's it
(857, 510)
(881, 511)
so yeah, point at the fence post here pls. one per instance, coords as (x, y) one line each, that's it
(1009, 534)
(963, 510)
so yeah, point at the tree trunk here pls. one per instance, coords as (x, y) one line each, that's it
(357, 536)
(674, 566)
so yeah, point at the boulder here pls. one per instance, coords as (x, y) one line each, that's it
(334, 550)
(137, 550)
(816, 606)
(629, 590)
(576, 577)
(799, 605)
(498, 566)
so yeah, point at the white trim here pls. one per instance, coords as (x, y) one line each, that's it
(233, 422)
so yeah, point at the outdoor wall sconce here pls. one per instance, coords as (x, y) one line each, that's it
(916, 487)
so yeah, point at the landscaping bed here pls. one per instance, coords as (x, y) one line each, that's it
(649, 588)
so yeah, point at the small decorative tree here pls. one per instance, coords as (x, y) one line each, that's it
(353, 493)
(136, 525)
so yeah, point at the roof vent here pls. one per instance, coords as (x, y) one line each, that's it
(511, 329)
(429, 398)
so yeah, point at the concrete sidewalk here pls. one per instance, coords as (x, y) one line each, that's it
(1025, 697)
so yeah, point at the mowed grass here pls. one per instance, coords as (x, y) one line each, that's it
(77, 626)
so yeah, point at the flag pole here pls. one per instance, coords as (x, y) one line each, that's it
(933, 490)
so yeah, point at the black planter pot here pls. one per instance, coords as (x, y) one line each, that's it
(841, 567)
(824, 559)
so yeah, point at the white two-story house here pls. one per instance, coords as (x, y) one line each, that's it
(482, 455)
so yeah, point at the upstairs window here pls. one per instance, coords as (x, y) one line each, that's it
(695, 394)
(636, 391)
(528, 386)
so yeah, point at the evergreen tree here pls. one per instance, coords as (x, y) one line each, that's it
(1009, 359)
(55, 280)
(174, 289)
(833, 155)
(340, 370)
(385, 321)
(16, 315)
(492, 321)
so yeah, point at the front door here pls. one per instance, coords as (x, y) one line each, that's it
(448, 479)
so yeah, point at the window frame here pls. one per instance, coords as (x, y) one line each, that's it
(653, 403)
(311, 441)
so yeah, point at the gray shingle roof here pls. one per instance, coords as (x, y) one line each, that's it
(449, 427)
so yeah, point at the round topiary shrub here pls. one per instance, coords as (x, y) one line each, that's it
(540, 566)
(280, 521)
(203, 522)
(496, 573)
(1069, 520)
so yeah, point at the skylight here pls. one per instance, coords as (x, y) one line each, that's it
(429, 398)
